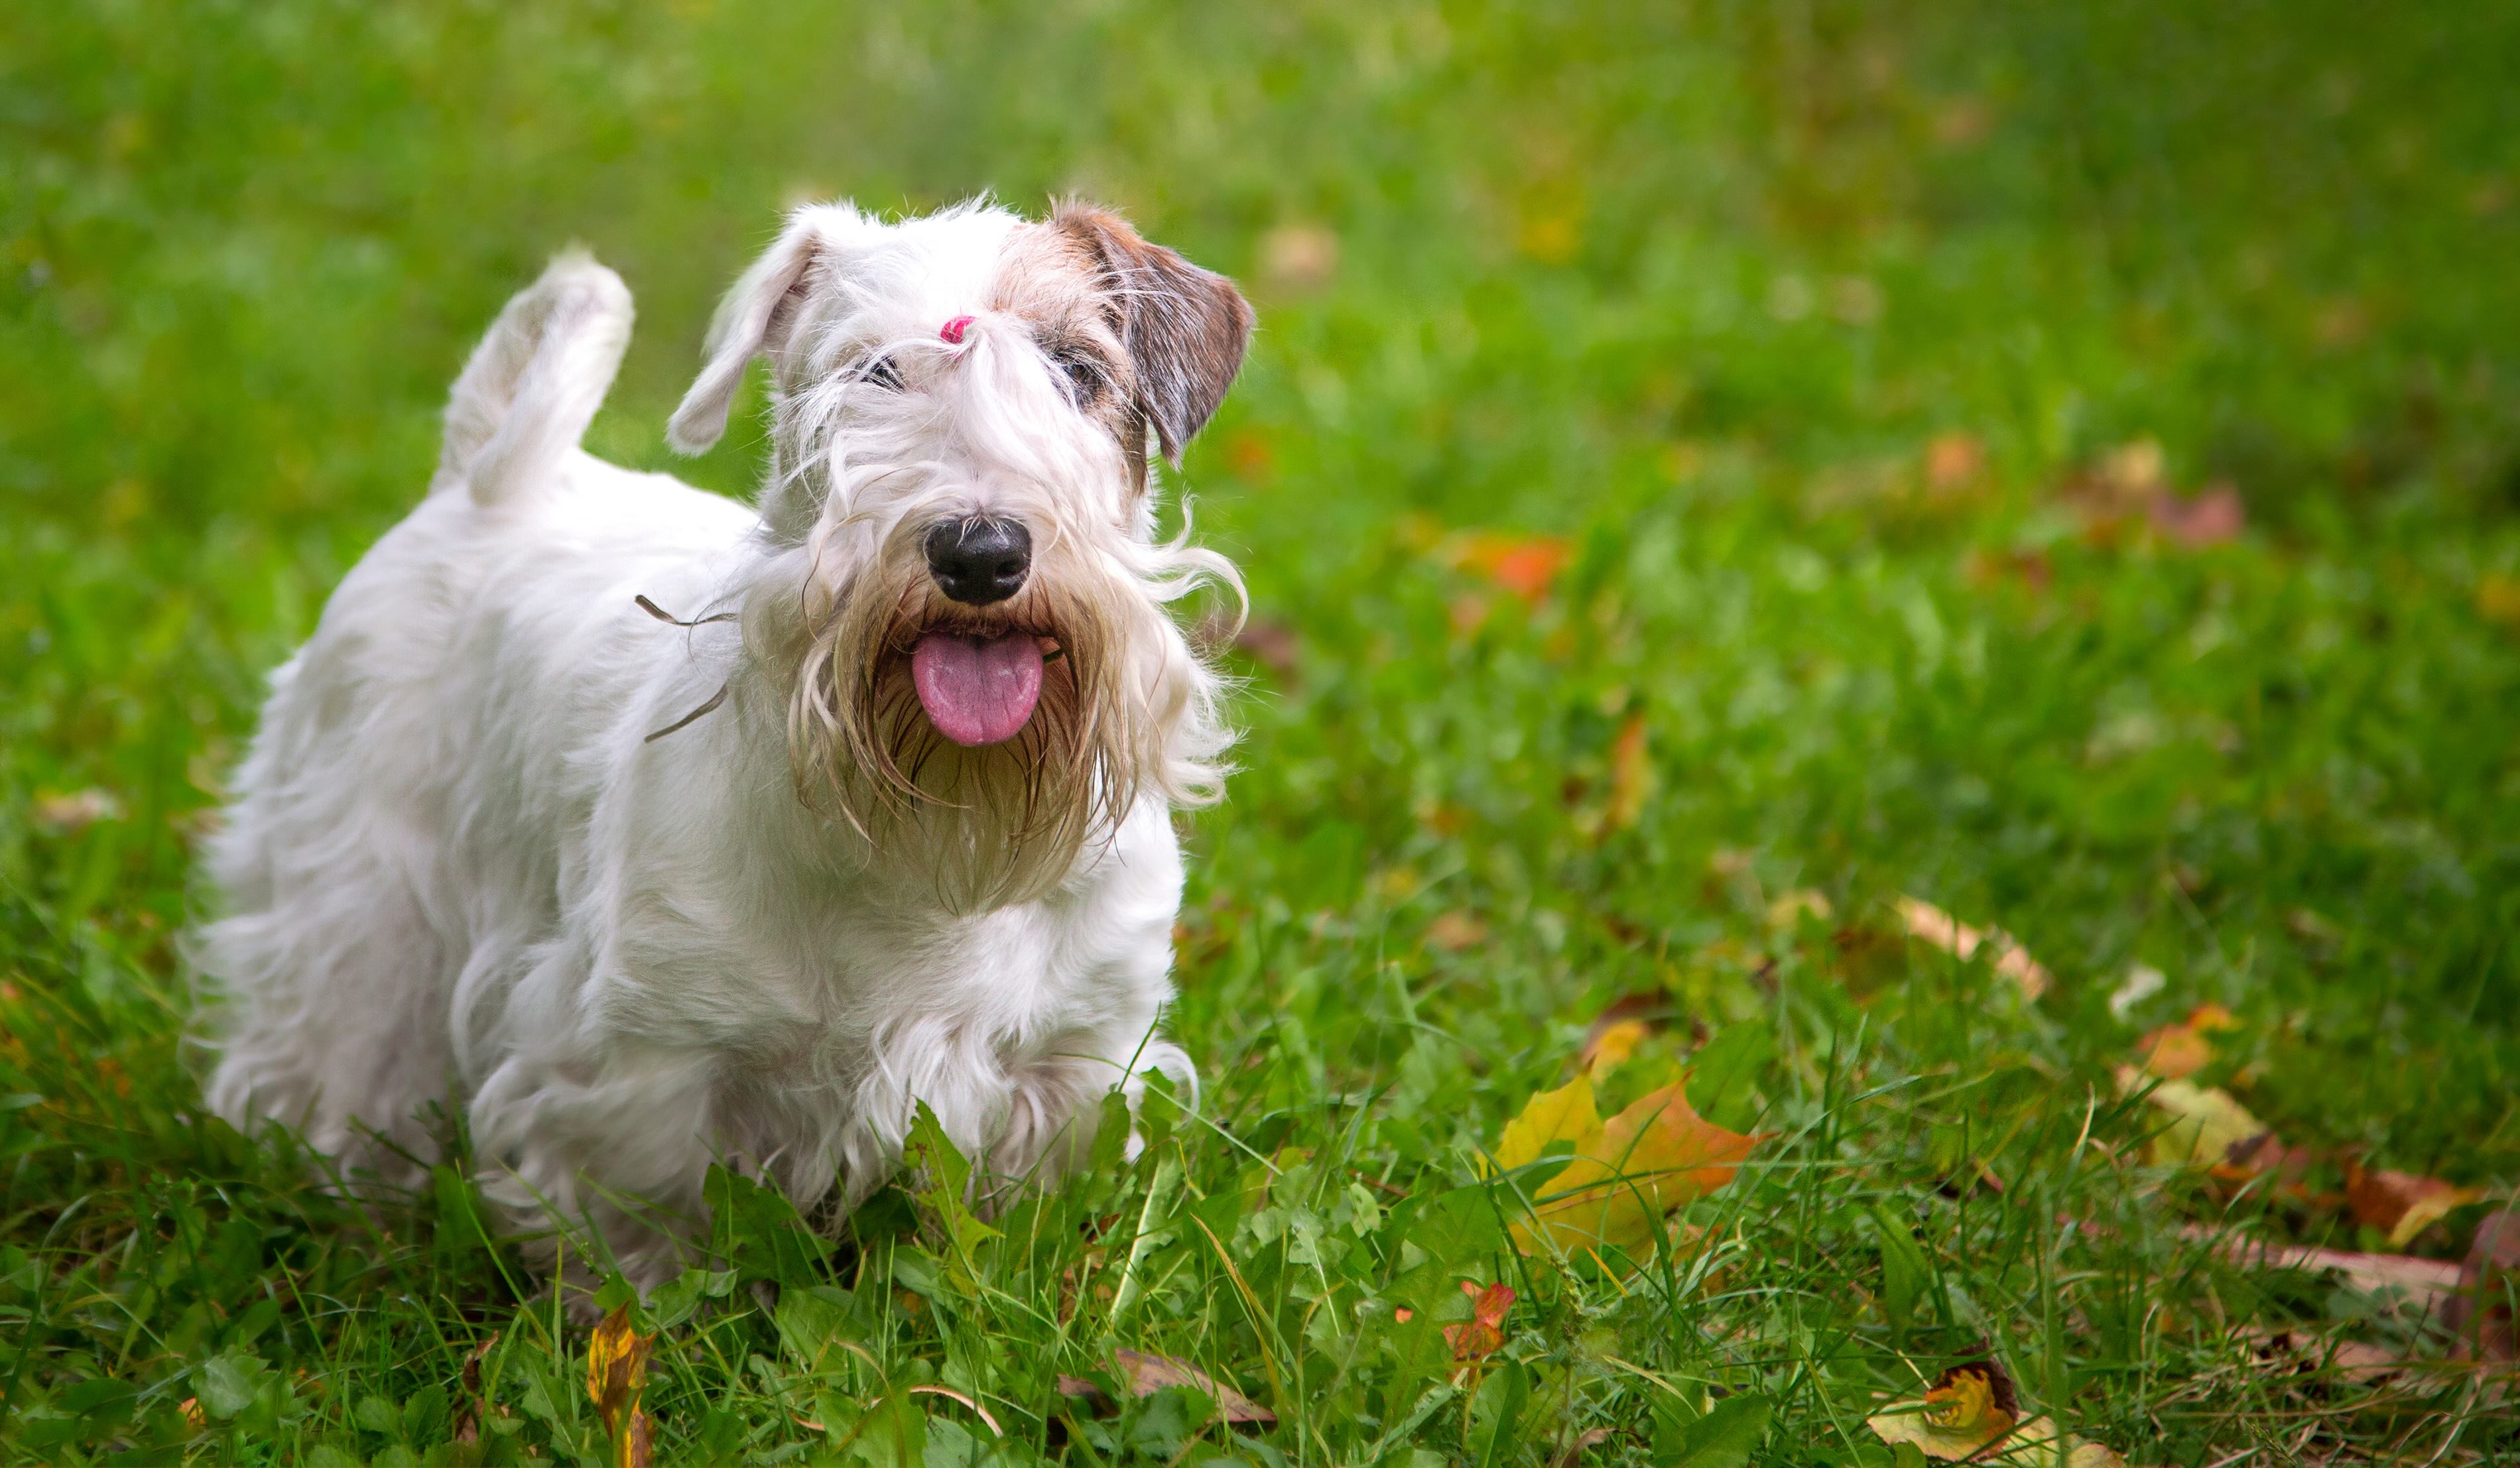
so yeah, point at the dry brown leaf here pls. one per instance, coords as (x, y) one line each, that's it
(1457, 931)
(2210, 519)
(2267, 1155)
(467, 1419)
(1931, 925)
(2424, 1281)
(1483, 1334)
(1790, 908)
(2402, 1204)
(2482, 1315)
(1573, 1452)
(1632, 776)
(68, 815)
(1272, 644)
(637, 1446)
(1148, 1373)
(930, 1390)
(1298, 257)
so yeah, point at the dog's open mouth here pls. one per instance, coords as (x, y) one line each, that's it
(977, 690)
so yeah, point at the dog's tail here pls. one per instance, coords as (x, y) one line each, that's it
(535, 380)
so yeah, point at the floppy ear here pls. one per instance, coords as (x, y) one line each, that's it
(754, 318)
(1185, 328)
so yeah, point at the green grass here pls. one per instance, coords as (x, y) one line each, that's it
(1690, 287)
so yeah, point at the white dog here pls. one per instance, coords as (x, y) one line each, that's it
(884, 817)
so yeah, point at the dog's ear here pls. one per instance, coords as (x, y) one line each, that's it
(1185, 328)
(754, 318)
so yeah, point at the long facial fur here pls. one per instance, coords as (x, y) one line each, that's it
(860, 471)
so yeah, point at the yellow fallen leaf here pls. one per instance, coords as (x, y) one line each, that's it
(1931, 925)
(1618, 1031)
(2497, 599)
(1649, 1159)
(1788, 909)
(2206, 1123)
(2033, 1445)
(1968, 1407)
(1148, 1373)
(1566, 1114)
(1614, 1044)
(617, 1371)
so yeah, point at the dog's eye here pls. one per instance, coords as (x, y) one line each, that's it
(1084, 372)
(881, 371)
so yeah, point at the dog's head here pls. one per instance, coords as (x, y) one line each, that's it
(965, 604)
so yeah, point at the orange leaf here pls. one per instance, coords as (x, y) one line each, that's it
(1649, 1159)
(1953, 459)
(1484, 1332)
(1525, 566)
(2177, 1052)
(1630, 776)
(1457, 931)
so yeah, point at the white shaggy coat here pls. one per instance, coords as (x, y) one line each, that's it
(463, 869)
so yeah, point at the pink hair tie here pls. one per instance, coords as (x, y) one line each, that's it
(952, 331)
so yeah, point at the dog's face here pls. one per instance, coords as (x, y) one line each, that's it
(966, 604)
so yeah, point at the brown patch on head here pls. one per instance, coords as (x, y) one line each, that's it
(1054, 285)
(1183, 329)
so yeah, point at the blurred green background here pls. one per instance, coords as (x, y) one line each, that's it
(1695, 285)
(2062, 461)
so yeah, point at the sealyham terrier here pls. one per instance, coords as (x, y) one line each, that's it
(645, 831)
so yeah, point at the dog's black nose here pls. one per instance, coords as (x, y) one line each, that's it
(979, 561)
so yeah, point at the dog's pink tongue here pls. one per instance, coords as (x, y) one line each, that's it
(977, 691)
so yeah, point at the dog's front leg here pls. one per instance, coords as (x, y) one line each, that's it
(607, 1155)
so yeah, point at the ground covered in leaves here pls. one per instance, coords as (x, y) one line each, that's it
(1877, 819)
